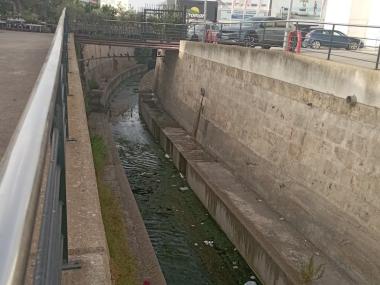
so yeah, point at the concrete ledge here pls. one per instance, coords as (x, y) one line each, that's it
(273, 249)
(329, 77)
(87, 240)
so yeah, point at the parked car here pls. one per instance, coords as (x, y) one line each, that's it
(325, 38)
(271, 34)
(244, 33)
(266, 32)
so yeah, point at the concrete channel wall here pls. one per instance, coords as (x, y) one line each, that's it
(86, 234)
(281, 124)
(118, 79)
(98, 66)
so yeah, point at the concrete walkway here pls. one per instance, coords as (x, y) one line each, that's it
(21, 57)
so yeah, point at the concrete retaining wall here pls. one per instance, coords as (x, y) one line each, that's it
(281, 124)
(100, 68)
(99, 98)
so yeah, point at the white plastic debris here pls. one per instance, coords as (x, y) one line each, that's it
(253, 277)
(184, 188)
(180, 174)
(250, 283)
(282, 219)
(209, 243)
(196, 244)
(166, 155)
(235, 267)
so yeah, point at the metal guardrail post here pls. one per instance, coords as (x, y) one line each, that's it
(378, 58)
(264, 25)
(240, 32)
(330, 43)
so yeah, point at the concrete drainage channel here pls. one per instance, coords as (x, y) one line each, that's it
(190, 246)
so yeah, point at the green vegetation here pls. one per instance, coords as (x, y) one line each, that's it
(310, 272)
(143, 55)
(99, 152)
(92, 84)
(49, 11)
(123, 269)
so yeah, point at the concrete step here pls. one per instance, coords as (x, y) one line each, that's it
(269, 243)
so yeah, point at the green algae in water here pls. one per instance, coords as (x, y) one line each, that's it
(190, 246)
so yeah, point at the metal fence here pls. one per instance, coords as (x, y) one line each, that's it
(133, 31)
(42, 127)
(354, 44)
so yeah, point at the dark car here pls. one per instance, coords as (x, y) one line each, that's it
(272, 33)
(246, 33)
(325, 38)
(266, 32)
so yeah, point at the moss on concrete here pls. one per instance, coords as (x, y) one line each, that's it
(123, 269)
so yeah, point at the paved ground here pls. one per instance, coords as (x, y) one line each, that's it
(365, 57)
(362, 57)
(21, 57)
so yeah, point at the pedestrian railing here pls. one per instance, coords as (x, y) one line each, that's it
(38, 140)
(355, 44)
(129, 30)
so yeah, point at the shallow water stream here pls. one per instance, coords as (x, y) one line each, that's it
(190, 246)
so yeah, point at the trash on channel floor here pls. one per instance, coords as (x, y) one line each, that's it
(181, 175)
(166, 155)
(184, 188)
(196, 244)
(250, 283)
(235, 267)
(209, 243)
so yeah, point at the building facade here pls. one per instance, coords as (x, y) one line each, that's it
(356, 12)
(302, 9)
(239, 10)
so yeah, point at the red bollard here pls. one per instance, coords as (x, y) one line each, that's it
(299, 42)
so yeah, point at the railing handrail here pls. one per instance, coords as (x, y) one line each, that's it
(130, 22)
(300, 21)
(21, 168)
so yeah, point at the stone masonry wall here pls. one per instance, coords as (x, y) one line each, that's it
(310, 155)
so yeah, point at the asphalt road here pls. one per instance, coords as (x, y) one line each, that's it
(21, 57)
